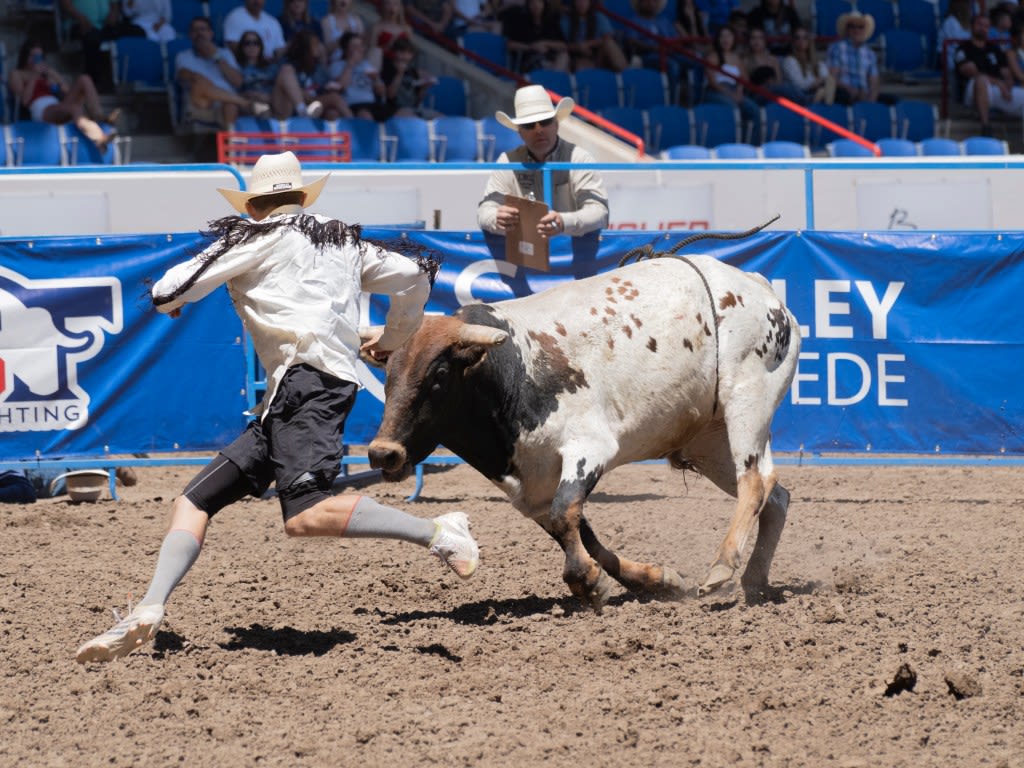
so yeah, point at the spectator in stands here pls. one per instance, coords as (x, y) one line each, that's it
(591, 38)
(955, 28)
(851, 61)
(1015, 58)
(406, 86)
(96, 22)
(1001, 19)
(765, 69)
(436, 15)
(717, 13)
(304, 86)
(210, 77)
(726, 65)
(741, 28)
(779, 20)
(153, 16)
(390, 27)
(251, 17)
(340, 18)
(806, 72)
(49, 98)
(982, 69)
(295, 16)
(579, 200)
(534, 36)
(359, 79)
(474, 16)
(644, 48)
(259, 73)
(296, 280)
(690, 22)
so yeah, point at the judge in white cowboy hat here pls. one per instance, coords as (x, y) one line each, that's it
(295, 280)
(579, 203)
(851, 61)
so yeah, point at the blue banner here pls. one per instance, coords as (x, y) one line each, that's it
(911, 342)
(87, 367)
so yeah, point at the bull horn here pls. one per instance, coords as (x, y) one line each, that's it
(481, 334)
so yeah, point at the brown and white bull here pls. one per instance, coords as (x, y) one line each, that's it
(685, 360)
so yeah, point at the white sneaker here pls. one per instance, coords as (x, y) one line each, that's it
(314, 109)
(454, 545)
(131, 632)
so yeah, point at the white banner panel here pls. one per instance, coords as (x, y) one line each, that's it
(938, 205)
(660, 208)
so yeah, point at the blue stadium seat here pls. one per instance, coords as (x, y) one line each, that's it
(364, 139)
(318, 145)
(883, 12)
(139, 61)
(644, 88)
(670, 126)
(407, 139)
(905, 51)
(687, 152)
(920, 16)
(716, 124)
(735, 151)
(836, 113)
(449, 96)
(984, 145)
(633, 119)
(937, 146)
(847, 148)
(487, 47)
(916, 120)
(789, 150)
(30, 143)
(873, 120)
(781, 124)
(892, 147)
(826, 13)
(556, 80)
(496, 138)
(598, 88)
(456, 139)
(82, 151)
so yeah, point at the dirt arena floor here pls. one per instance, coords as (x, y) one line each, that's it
(897, 638)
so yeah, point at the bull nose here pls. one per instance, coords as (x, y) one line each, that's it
(389, 457)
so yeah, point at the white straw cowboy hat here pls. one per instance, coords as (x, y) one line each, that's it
(533, 105)
(846, 18)
(273, 174)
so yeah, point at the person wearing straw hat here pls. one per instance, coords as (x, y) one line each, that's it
(851, 61)
(295, 279)
(579, 203)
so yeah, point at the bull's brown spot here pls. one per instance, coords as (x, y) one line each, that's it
(628, 331)
(609, 311)
(750, 462)
(609, 290)
(552, 368)
(688, 344)
(611, 343)
(593, 310)
(729, 300)
(612, 300)
(652, 344)
(560, 329)
(637, 321)
(616, 279)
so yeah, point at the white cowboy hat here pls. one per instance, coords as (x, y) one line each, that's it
(533, 105)
(846, 18)
(272, 174)
(83, 485)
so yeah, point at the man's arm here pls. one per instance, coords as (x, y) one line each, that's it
(408, 287)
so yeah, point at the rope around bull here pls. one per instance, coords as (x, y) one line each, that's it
(648, 252)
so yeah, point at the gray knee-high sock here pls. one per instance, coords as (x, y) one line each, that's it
(177, 554)
(372, 520)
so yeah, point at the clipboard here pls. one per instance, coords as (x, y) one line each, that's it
(524, 245)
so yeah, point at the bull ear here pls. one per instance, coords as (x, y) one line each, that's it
(481, 334)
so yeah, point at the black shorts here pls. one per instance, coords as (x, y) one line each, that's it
(297, 445)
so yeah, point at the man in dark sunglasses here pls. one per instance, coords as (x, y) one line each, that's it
(579, 203)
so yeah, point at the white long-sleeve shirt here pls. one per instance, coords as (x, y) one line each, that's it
(300, 303)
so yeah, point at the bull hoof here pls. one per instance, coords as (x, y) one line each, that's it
(671, 587)
(718, 576)
(595, 595)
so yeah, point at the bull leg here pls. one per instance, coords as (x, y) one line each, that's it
(769, 529)
(752, 490)
(660, 582)
(584, 577)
